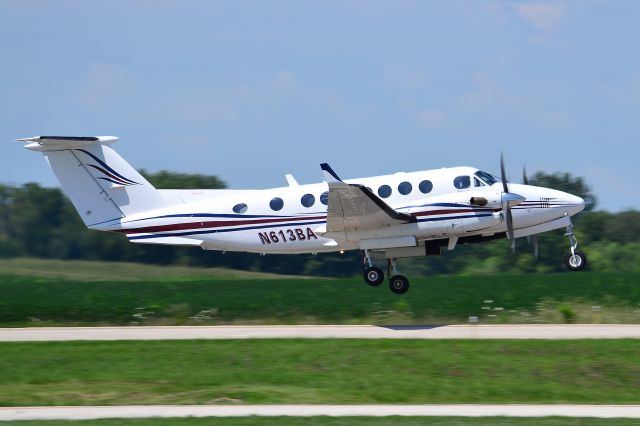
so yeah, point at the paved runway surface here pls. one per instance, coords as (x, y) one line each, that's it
(81, 413)
(587, 331)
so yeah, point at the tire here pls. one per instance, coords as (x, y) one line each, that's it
(373, 276)
(399, 284)
(576, 263)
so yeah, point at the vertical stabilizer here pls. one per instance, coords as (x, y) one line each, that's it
(101, 185)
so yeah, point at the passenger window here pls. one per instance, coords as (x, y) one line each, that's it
(462, 182)
(405, 188)
(240, 208)
(425, 186)
(384, 191)
(477, 182)
(307, 200)
(276, 204)
(324, 198)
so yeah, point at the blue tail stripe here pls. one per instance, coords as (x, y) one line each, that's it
(106, 166)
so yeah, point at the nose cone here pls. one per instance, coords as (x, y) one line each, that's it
(574, 204)
(512, 199)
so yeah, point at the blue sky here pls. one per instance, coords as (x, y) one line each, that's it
(250, 90)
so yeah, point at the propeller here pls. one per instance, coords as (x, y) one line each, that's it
(532, 239)
(505, 202)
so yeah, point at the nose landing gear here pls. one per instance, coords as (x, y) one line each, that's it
(399, 284)
(576, 260)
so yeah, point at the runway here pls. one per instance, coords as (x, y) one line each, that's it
(461, 410)
(579, 331)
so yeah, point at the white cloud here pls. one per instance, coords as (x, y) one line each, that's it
(543, 16)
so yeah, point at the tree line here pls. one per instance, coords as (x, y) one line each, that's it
(41, 222)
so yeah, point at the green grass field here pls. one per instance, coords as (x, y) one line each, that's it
(83, 270)
(37, 293)
(319, 371)
(341, 421)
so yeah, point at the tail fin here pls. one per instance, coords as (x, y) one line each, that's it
(101, 185)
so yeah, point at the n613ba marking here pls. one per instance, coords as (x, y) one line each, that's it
(286, 235)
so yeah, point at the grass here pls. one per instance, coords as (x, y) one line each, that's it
(319, 372)
(163, 298)
(340, 421)
(82, 270)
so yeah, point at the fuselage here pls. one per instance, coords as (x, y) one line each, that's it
(292, 219)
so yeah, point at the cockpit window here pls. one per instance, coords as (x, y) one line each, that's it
(487, 178)
(462, 182)
(477, 182)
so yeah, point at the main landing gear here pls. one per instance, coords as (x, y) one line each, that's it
(399, 284)
(575, 260)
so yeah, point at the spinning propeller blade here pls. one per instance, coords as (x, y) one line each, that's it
(503, 175)
(506, 208)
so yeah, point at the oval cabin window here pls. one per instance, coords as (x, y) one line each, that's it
(405, 188)
(307, 200)
(276, 204)
(425, 186)
(384, 191)
(240, 208)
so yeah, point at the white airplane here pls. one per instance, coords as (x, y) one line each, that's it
(400, 215)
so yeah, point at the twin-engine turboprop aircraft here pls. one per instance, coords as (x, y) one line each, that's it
(399, 215)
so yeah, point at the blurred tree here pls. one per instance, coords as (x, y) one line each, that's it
(165, 179)
(623, 227)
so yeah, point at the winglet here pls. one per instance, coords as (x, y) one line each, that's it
(329, 175)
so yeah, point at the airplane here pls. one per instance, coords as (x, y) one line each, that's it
(399, 215)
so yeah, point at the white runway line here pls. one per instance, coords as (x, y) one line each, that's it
(462, 410)
(575, 331)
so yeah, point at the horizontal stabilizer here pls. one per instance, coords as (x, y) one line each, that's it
(58, 143)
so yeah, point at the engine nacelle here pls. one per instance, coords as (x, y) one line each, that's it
(488, 199)
(491, 200)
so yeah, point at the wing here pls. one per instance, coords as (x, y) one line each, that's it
(354, 207)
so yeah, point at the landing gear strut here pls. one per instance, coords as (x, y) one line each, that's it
(372, 274)
(576, 260)
(399, 284)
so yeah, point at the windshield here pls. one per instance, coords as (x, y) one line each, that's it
(487, 178)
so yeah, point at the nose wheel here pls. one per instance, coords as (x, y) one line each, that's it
(575, 260)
